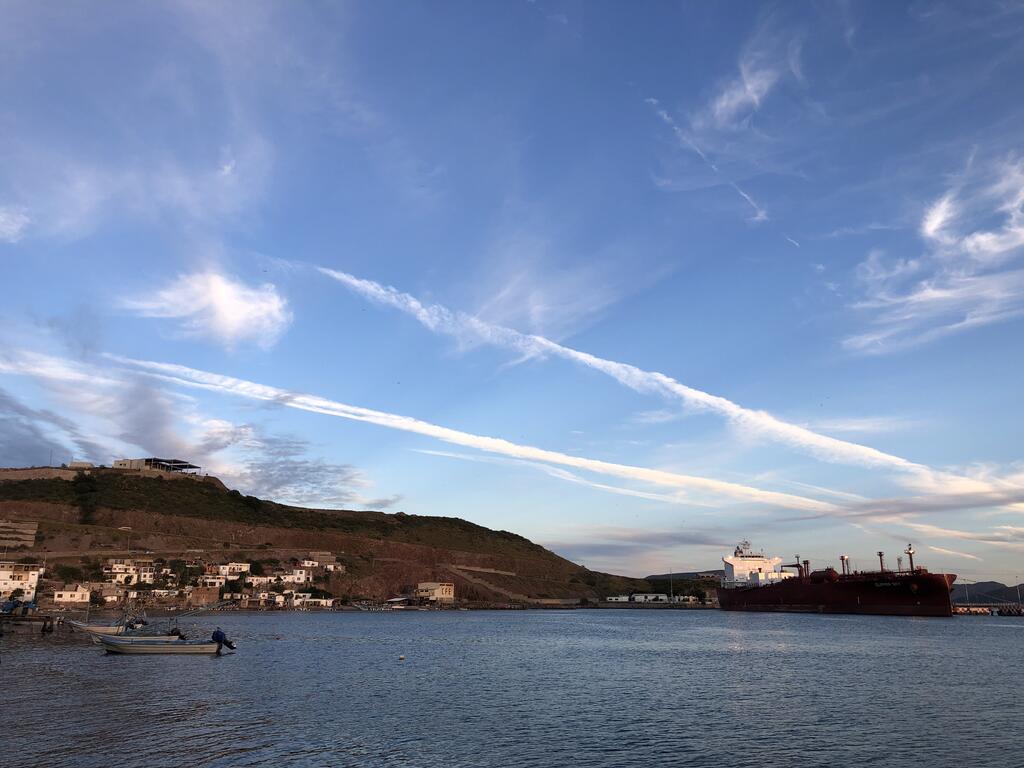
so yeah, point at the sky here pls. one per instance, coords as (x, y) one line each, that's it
(635, 281)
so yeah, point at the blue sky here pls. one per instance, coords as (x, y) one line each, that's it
(634, 281)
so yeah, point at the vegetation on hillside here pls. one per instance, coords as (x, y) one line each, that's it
(207, 501)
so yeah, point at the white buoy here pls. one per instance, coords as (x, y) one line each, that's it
(401, 658)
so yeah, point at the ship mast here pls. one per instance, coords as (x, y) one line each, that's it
(910, 553)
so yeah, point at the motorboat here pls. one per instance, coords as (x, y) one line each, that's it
(151, 645)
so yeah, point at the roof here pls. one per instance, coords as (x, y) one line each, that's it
(173, 463)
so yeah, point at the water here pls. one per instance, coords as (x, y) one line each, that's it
(529, 688)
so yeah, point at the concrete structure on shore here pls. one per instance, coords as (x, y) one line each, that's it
(436, 591)
(23, 576)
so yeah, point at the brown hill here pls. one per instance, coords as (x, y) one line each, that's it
(81, 517)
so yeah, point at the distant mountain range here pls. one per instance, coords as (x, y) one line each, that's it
(986, 592)
(687, 575)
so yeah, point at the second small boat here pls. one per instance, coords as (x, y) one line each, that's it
(152, 645)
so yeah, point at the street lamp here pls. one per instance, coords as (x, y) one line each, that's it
(128, 528)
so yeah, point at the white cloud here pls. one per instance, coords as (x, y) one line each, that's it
(561, 474)
(687, 141)
(968, 277)
(743, 94)
(865, 424)
(938, 217)
(953, 552)
(213, 306)
(465, 327)
(752, 423)
(185, 376)
(13, 223)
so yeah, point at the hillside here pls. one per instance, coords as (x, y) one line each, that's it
(985, 592)
(81, 517)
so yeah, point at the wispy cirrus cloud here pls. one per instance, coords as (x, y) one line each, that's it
(865, 424)
(751, 423)
(689, 142)
(953, 553)
(218, 307)
(102, 413)
(228, 385)
(561, 474)
(442, 320)
(13, 223)
(968, 274)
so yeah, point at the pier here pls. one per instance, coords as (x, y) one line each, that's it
(43, 622)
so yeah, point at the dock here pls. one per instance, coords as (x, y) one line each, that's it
(41, 622)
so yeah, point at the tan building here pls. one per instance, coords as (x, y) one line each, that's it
(76, 595)
(436, 591)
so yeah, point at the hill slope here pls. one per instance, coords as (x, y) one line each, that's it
(80, 517)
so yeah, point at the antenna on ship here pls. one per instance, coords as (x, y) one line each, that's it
(881, 560)
(910, 553)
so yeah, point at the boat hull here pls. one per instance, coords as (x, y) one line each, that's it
(882, 594)
(147, 645)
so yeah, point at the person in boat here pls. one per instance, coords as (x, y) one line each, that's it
(222, 640)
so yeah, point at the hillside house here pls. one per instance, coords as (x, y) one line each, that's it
(23, 576)
(76, 595)
(126, 570)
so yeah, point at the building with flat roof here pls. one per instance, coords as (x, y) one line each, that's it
(436, 591)
(164, 465)
(23, 576)
(77, 595)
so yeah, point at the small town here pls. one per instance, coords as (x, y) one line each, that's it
(147, 582)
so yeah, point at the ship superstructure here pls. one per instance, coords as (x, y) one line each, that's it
(749, 569)
(753, 582)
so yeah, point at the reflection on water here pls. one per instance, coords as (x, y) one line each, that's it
(532, 688)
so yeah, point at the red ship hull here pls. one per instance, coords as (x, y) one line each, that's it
(886, 594)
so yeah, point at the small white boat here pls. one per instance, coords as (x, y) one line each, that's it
(98, 629)
(140, 645)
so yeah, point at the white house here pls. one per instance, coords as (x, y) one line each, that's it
(232, 570)
(617, 599)
(299, 576)
(79, 594)
(211, 580)
(125, 570)
(14, 576)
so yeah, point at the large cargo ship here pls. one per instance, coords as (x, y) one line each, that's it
(753, 582)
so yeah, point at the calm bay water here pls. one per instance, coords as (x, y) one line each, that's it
(530, 688)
